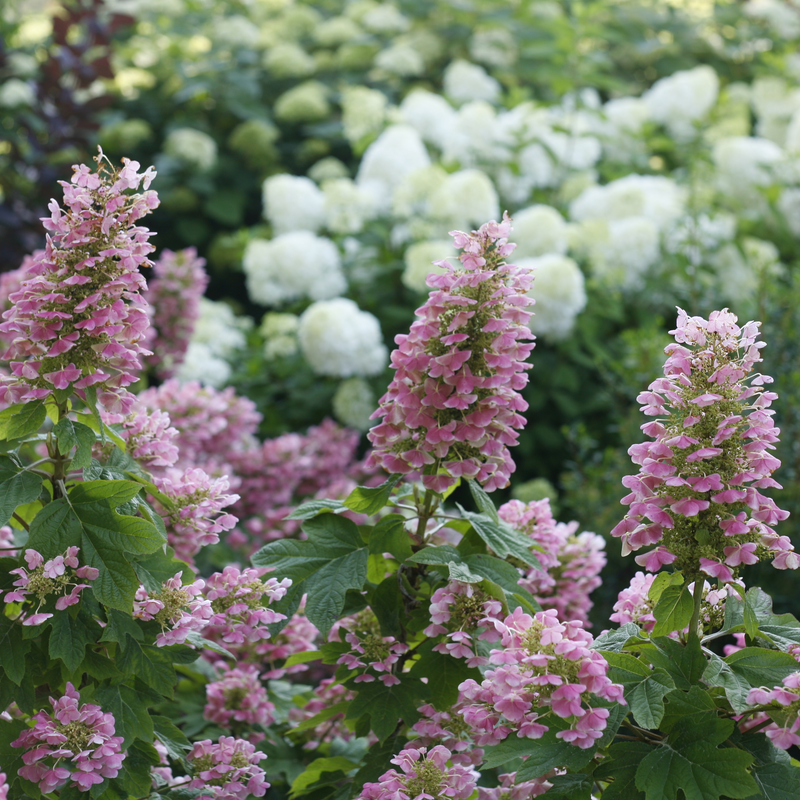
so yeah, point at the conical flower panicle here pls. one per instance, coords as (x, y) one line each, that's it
(78, 316)
(453, 408)
(698, 491)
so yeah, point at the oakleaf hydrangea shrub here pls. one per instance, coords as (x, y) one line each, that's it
(384, 640)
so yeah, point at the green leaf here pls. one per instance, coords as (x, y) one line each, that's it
(620, 766)
(718, 673)
(116, 492)
(75, 434)
(386, 602)
(644, 687)
(482, 500)
(389, 535)
(26, 420)
(614, 641)
(314, 507)
(302, 658)
(68, 639)
(131, 717)
(154, 569)
(13, 649)
(444, 674)
(196, 640)
(171, 737)
(388, 705)
(506, 576)
(11, 757)
(150, 664)
(314, 771)
(322, 716)
(331, 562)
(17, 487)
(443, 554)
(761, 667)
(662, 581)
(684, 662)
(366, 500)
(573, 786)
(776, 782)
(502, 538)
(673, 612)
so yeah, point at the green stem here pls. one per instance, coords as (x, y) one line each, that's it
(61, 461)
(426, 510)
(698, 599)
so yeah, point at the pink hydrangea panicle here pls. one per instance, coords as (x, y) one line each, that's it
(7, 548)
(463, 613)
(239, 696)
(509, 789)
(60, 576)
(76, 742)
(239, 600)
(448, 729)
(179, 608)
(423, 773)
(782, 705)
(299, 635)
(544, 668)
(228, 769)
(698, 493)
(371, 652)
(179, 281)
(3, 786)
(571, 561)
(149, 436)
(454, 406)
(78, 317)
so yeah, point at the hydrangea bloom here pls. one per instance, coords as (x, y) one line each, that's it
(697, 494)
(3, 786)
(448, 729)
(509, 789)
(571, 563)
(545, 669)
(370, 650)
(297, 636)
(149, 436)
(424, 773)
(238, 601)
(75, 743)
(191, 503)
(454, 403)
(461, 610)
(239, 696)
(227, 770)
(179, 609)
(43, 578)
(78, 317)
(293, 203)
(633, 603)
(179, 281)
(783, 708)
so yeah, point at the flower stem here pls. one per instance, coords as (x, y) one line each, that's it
(698, 599)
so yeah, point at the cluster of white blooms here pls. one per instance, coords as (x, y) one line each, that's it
(347, 206)
(354, 403)
(338, 339)
(293, 203)
(15, 92)
(307, 102)
(292, 266)
(217, 337)
(783, 18)
(539, 230)
(192, 148)
(464, 82)
(420, 260)
(280, 335)
(363, 112)
(744, 165)
(559, 292)
(682, 99)
(289, 60)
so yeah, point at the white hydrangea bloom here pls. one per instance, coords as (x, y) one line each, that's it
(465, 82)
(385, 18)
(293, 203)
(307, 102)
(789, 206)
(339, 339)
(280, 335)
(465, 200)
(289, 60)
(631, 247)
(292, 265)
(573, 151)
(347, 206)
(419, 258)
(337, 31)
(363, 112)
(783, 18)
(353, 403)
(473, 138)
(430, 114)
(793, 134)
(654, 197)
(737, 281)
(627, 113)
(762, 255)
(539, 230)
(234, 30)
(396, 153)
(400, 59)
(681, 99)
(559, 291)
(192, 147)
(217, 336)
(494, 46)
(328, 169)
(743, 164)
(696, 235)
(14, 93)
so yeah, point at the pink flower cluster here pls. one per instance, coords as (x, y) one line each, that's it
(572, 563)
(227, 770)
(80, 735)
(448, 729)
(509, 789)
(423, 773)
(7, 542)
(297, 636)
(43, 578)
(179, 608)
(460, 610)
(191, 505)
(150, 439)
(545, 668)
(3, 786)
(453, 408)
(179, 281)
(783, 707)
(238, 600)
(709, 458)
(78, 316)
(370, 650)
(239, 696)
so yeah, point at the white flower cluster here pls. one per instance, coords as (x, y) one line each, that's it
(559, 292)
(338, 339)
(192, 148)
